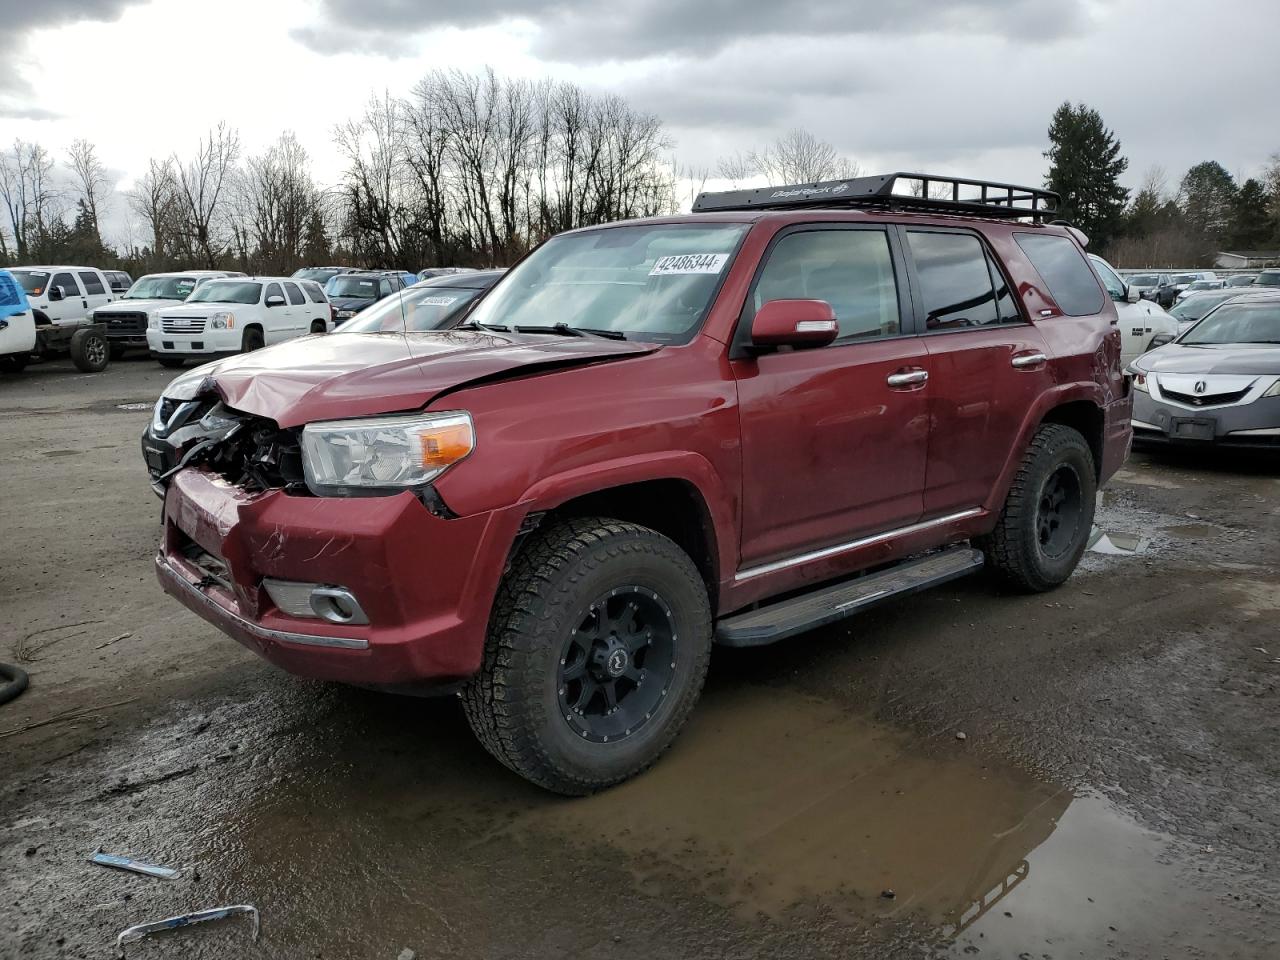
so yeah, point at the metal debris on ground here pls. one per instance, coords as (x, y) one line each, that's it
(133, 866)
(135, 933)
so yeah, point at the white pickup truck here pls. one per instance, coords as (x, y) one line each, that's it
(62, 299)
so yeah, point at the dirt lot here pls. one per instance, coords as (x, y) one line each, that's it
(1116, 793)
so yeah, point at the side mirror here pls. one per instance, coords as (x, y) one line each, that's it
(1132, 294)
(794, 323)
(56, 294)
(275, 301)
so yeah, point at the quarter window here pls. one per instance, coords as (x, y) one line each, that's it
(295, 295)
(314, 292)
(1071, 283)
(956, 280)
(852, 270)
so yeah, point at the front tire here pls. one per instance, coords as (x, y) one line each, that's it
(14, 363)
(1044, 526)
(252, 340)
(90, 351)
(171, 363)
(597, 650)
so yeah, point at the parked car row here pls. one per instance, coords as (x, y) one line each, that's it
(48, 311)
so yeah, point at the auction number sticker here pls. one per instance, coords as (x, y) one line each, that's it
(437, 301)
(689, 263)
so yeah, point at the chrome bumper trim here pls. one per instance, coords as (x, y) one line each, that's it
(171, 575)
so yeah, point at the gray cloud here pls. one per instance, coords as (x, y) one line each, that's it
(588, 31)
(20, 17)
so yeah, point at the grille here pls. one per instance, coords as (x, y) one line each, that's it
(122, 322)
(182, 324)
(1204, 400)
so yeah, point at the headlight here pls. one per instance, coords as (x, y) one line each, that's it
(1274, 391)
(345, 314)
(222, 321)
(153, 321)
(348, 457)
(1140, 381)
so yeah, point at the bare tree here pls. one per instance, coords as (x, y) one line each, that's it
(154, 198)
(201, 185)
(800, 157)
(274, 202)
(90, 178)
(30, 199)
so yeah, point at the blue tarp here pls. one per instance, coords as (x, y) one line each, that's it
(13, 299)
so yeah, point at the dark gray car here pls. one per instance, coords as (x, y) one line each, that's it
(1218, 383)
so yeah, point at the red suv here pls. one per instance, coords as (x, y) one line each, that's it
(730, 426)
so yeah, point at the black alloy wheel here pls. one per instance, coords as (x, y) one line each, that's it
(616, 666)
(1058, 515)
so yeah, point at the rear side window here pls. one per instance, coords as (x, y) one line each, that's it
(314, 292)
(850, 269)
(1060, 264)
(91, 283)
(957, 282)
(295, 295)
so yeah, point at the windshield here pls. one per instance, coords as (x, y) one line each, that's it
(1239, 281)
(227, 291)
(1268, 278)
(653, 281)
(318, 274)
(1238, 323)
(1185, 278)
(1195, 307)
(161, 288)
(1144, 280)
(419, 308)
(352, 286)
(32, 281)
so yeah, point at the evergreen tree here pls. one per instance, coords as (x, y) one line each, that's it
(1209, 197)
(1253, 227)
(316, 243)
(1084, 168)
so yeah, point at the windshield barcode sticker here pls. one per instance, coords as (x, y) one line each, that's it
(689, 263)
(437, 301)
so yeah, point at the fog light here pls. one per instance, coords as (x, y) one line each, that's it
(315, 600)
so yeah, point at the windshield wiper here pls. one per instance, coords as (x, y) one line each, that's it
(564, 330)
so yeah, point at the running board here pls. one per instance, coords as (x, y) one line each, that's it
(777, 621)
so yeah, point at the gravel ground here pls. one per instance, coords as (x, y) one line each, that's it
(1114, 793)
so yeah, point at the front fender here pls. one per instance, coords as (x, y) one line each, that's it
(692, 468)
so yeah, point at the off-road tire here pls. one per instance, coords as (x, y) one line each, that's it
(171, 363)
(1013, 549)
(90, 351)
(252, 340)
(513, 704)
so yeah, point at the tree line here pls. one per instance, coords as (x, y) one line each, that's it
(1186, 222)
(469, 169)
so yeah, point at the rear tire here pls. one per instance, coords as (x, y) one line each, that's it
(597, 650)
(317, 326)
(90, 351)
(1044, 526)
(172, 363)
(252, 340)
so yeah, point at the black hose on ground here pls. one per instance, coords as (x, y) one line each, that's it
(15, 681)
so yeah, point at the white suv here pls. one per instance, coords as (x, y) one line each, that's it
(127, 318)
(1141, 321)
(236, 315)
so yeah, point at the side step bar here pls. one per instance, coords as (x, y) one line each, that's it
(777, 621)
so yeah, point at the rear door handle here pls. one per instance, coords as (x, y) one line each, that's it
(1024, 360)
(907, 378)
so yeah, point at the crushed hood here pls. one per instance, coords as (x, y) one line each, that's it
(344, 375)
(1256, 359)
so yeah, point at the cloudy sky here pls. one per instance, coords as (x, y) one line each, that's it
(960, 87)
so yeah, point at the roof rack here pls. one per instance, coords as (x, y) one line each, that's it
(916, 191)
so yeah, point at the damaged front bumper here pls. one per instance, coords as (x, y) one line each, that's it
(425, 583)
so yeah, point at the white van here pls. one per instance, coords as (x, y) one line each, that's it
(237, 315)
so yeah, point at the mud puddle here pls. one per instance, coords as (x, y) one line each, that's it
(360, 825)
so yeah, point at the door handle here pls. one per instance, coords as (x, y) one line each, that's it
(908, 378)
(1025, 360)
